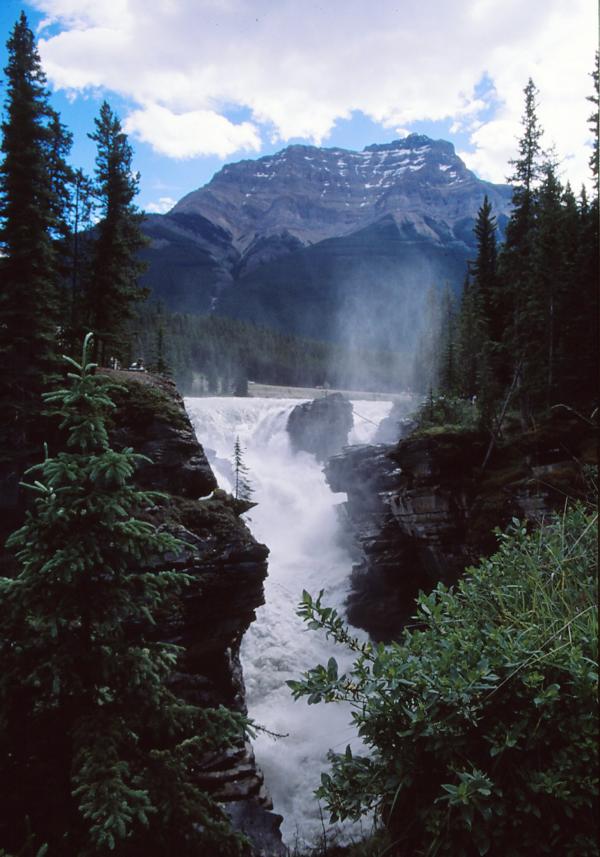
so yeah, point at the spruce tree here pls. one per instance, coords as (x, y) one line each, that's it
(590, 264)
(242, 487)
(32, 176)
(546, 318)
(485, 272)
(113, 288)
(594, 120)
(78, 253)
(516, 262)
(97, 754)
(468, 338)
(490, 315)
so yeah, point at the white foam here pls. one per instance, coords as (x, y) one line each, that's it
(296, 518)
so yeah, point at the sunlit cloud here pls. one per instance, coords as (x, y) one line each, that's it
(187, 67)
(164, 204)
(186, 135)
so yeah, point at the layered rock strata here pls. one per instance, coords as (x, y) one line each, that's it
(229, 567)
(423, 509)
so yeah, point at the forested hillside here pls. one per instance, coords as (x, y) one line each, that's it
(99, 753)
(481, 719)
(212, 354)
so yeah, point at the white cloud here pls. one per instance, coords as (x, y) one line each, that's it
(297, 69)
(164, 204)
(197, 132)
(494, 144)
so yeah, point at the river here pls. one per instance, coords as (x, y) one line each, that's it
(296, 518)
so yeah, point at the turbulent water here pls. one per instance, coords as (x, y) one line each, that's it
(296, 518)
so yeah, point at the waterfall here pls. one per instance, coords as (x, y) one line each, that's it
(296, 518)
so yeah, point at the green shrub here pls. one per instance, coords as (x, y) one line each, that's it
(99, 754)
(444, 413)
(481, 723)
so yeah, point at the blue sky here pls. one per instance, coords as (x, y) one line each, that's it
(199, 83)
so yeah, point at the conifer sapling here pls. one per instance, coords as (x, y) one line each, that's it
(100, 752)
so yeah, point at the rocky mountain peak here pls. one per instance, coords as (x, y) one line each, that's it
(314, 193)
(302, 238)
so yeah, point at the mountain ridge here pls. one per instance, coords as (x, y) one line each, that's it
(241, 196)
(284, 239)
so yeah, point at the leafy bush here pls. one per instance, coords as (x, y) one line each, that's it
(482, 722)
(446, 413)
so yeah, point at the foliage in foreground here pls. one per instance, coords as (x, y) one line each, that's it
(97, 754)
(482, 724)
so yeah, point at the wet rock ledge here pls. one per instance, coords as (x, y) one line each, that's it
(420, 510)
(321, 426)
(229, 566)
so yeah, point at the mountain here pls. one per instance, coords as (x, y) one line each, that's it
(326, 243)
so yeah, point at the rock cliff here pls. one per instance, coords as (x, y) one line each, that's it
(321, 426)
(423, 509)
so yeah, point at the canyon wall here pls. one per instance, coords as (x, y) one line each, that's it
(228, 567)
(422, 509)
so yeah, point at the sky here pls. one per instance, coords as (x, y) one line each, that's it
(201, 83)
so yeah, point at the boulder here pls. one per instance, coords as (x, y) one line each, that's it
(321, 426)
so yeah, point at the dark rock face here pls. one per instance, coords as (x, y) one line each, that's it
(397, 424)
(152, 419)
(229, 568)
(321, 426)
(299, 239)
(421, 510)
(190, 260)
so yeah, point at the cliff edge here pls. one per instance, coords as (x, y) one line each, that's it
(421, 510)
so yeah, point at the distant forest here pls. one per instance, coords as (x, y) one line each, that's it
(213, 355)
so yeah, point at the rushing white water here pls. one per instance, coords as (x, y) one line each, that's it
(296, 519)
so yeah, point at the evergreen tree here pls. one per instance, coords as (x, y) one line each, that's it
(594, 121)
(485, 273)
(468, 336)
(98, 755)
(242, 487)
(78, 251)
(32, 176)
(547, 298)
(491, 314)
(589, 266)
(113, 288)
(526, 169)
(448, 369)
(516, 262)
(162, 367)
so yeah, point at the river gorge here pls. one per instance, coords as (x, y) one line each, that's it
(296, 518)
